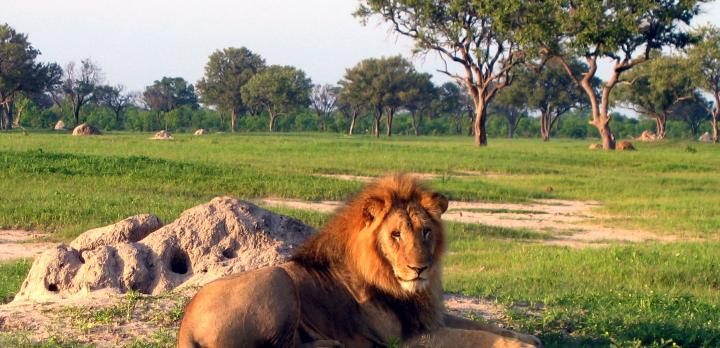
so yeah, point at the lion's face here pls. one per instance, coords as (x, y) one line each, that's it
(408, 239)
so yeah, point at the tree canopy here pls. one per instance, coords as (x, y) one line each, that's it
(704, 58)
(226, 72)
(277, 90)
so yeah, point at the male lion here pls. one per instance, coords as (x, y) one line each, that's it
(370, 277)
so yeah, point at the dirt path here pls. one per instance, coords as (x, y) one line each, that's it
(17, 244)
(570, 223)
(421, 176)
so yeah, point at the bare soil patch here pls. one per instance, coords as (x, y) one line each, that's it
(18, 244)
(421, 176)
(571, 223)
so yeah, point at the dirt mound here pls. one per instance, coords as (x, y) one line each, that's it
(59, 126)
(595, 147)
(206, 242)
(162, 135)
(200, 131)
(648, 136)
(85, 129)
(624, 146)
(706, 138)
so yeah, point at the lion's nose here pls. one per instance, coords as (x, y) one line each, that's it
(418, 269)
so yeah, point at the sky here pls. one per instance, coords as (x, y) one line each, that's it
(138, 41)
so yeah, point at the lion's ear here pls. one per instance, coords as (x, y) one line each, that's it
(372, 207)
(435, 203)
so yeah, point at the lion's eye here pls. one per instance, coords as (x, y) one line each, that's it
(426, 233)
(395, 234)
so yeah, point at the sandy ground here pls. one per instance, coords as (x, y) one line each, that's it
(17, 244)
(570, 223)
(108, 320)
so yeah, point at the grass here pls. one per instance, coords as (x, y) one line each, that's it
(633, 295)
(68, 184)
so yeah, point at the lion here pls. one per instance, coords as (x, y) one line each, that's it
(371, 277)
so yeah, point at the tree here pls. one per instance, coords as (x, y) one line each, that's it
(656, 89)
(554, 93)
(277, 90)
(693, 112)
(20, 73)
(705, 60)
(626, 32)
(114, 98)
(351, 102)
(419, 97)
(482, 36)
(323, 99)
(169, 93)
(78, 86)
(513, 102)
(226, 72)
(379, 82)
(452, 102)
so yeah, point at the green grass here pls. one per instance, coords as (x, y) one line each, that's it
(12, 274)
(68, 184)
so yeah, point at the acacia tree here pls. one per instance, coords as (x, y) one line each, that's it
(452, 102)
(656, 89)
(351, 102)
(482, 36)
(78, 86)
(20, 73)
(626, 32)
(114, 98)
(277, 90)
(324, 99)
(512, 102)
(169, 93)
(226, 72)
(693, 112)
(705, 60)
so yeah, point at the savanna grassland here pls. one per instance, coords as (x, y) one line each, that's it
(644, 294)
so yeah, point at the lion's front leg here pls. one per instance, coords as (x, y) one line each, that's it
(460, 338)
(456, 322)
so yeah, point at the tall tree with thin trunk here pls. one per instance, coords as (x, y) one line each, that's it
(483, 37)
(656, 89)
(278, 90)
(226, 72)
(78, 86)
(694, 112)
(114, 98)
(512, 102)
(626, 32)
(705, 60)
(452, 102)
(324, 100)
(419, 97)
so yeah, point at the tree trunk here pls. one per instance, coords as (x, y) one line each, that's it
(415, 123)
(389, 121)
(660, 122)
(545, 125)
(9, 115)
(272, 121)
(511, 129)
(376, 122)
(608, 139)
(479, 125)
(353, 116)
(714, 122)
(233, 120)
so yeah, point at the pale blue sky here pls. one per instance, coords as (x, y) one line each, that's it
(138, 41)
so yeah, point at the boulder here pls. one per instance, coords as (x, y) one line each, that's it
(209, 241)
(200, 131)
(595, 147)
(624, 146)
(85, 129)
(59, 126)
(706, 138)
(162, 135)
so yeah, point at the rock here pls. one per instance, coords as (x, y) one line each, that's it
(648, 136)
(162, 135)
(706, 138)
(209, 241)
(59, 126)
(624, 146)
(200, 131)
(595, 147)
(85, 129)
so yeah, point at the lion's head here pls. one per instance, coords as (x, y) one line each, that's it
(390, 236)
